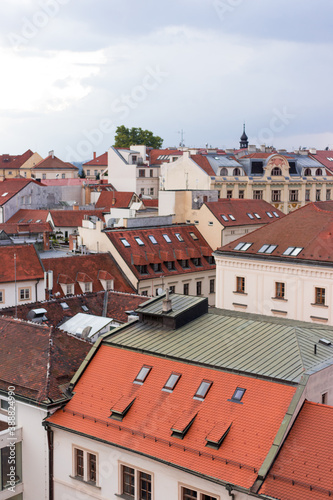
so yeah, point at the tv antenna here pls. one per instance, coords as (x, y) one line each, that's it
(182, 143)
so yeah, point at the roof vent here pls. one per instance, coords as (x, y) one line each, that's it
(166, 305)
(325, 342)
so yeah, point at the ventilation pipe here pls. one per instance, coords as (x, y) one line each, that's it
(166, 306)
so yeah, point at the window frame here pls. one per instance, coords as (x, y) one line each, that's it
(240, 284)
(293, 195)
(198, 287)
(276, 195)
(144, 376)
(205, 391)
(170, 387)
(280, 290)
(26, 296)
(137, 485)
(2, 296)
(186, 289)
(212, 285)
(320, 296)
(89, 473)
(200, 494)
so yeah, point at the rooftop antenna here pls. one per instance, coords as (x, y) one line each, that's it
(181, 144)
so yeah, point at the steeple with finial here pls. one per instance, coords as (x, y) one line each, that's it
(244, 142)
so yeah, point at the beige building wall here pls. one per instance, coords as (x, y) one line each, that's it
(25, 170)
(54, 174)
(183, 173)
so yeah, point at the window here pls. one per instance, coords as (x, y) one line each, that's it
(151, 191)
(324, 398)
(293, 195)
(135, 484)
(224, 171)
(152, 239)
(88, 171)
(269, 215)
(240, 284)
(279, 290)
(319, 171)
(232, 217)
(307, 172)
(172, 289)
(4, 404)
(24, 293)
(276, 171)
(157, 268)
(320, 296)
(293, 251)
(142, 172)
(212, 286)
(242, 246)
(95, 172)
(85, 466)
(197, 261)
(241, 194)
(144, 293)
(267, 249)
(179, 237)
(225, 218)
(189, 494)
(328, 194)
(167, 238)
(186, 289)
(203, 389)
(172, 381)
(63, 176)
(44, 176)
(250, 216)
(184, 263)
(142, 191)
(318, 194)
(151, 172)
(229, 194)
(210, 259)
(276, 195)
(199, 287)
(88, 287)
(142, 375)
(237, 395)
(257, 216)
(125, 242)
(236, 171)
(194, 236)
(170, 265)
(257, 194)
(307, 195)
(2, 296)
(69, 289)
(139, 241)
(276, 215)
(134, 158)
(109, 284)
(142, 268)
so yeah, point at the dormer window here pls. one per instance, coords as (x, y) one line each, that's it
(224, 171)
(276, 171)
(88, 287)
(307, 172)
(236, 171)
(319, 171)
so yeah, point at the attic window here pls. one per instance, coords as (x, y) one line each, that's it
(203, 390)
(167, 238)
(224, 217)
(250, 216)
(172, 381)
(180, 428)
(292, 251)
(85, 308)
(64, 305)
(152, 239)
(30, 220)
(276, 215)
(237, 395)
(242, 246)
(4, 194)
(267, 249)
(179, 237)
(269, 215)
(125, 242)
(194, 236)
(232, 217)
(216, 437)
(142, 375)
(39, 220)
(120, 409)
(257, 215)
(139, 241)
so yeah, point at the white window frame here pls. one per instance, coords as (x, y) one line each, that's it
(26, 296)
(199, 492)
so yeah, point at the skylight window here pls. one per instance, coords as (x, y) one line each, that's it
(224, 217)
(250, 216)
(30, 220)
(139, 241)
(64, 305)
(293, 251)
(242, 246)
(179, 237)
(39, 220)
(257, 215)
(4, 194)
(203, 389)
(276, 215)
(232, 217)
(172, 381)
(267, 249)
(237, 395)
(167, 238)
(85, 308)
(142, 375)
(269, 215)
(125, 242)
(194, 236)
(152, 239)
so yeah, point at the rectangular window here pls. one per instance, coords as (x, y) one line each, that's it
(170, 265)
(135, 484)
(79, 463)
(293, 195)
(328, 194)
(88, 171)
(151, 191)
(212, 286)
(128, 480)
(186, 289)
(241, 194)
(172, 289)
(142, 172)
(69, 289)
(184, 263)
(144, 293)
(307, 195)
(151, 172)
(92, 472)
(63, 176)
(197, 261)
(320, 296)
(24, 293)
(279, 290)
(2, 296)
(95, 173)
(240, 284)
(87, 287)
(318, 194)
(199, 287)
(109, 284)
(257, 194)
(276, 195)
(189, 494)
(229, 194)
(324, 398)
(44, 176)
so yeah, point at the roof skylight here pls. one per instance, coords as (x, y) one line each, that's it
(172, 381)
(293, 251)
(267, 249)
(139, 241)
(179, 237)
(269, 215)
(194, 236)
(125, 242)
(250, 215)
(232, 217)
(237, 395)
(257, 215)
(224, 217)
(167, 238)
(152, 239)
(276, 215)
(203, 389)
(142, 375)
(242, 246)
(64, 305)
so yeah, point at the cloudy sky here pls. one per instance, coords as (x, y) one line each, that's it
(73, 70)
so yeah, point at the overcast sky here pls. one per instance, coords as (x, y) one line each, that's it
(73, 70)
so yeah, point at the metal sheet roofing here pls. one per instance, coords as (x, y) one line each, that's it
(179, 304)
(278, 349)
(80, 321)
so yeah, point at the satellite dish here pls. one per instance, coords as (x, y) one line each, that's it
(160, 291)
(195, 200)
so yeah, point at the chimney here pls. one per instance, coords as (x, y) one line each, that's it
(76, 207)
(51, 153)
(166, 304)
(94, 155)
(113, 198)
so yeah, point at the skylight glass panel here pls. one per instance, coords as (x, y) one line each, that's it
(139, 241)
(152, 239)
(171, 383)
(257, 215)
(194, 236)
(250, 215)
(39, 220)
(179, 237)
(263, 249)
(64, 305)
(238, 394)
(203, 389)
(232, 217)
(239, 246)
(276, 214)
(269, 215)
(271, 248)
(288, 251)
(142, 375)
(166, 237)
(246, 246)
(296, 251)
(125, 242)
(224, 217)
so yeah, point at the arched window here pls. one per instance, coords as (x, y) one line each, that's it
(236, 171)
(319, 171)
(307, 171)
(276, 171)
(224, 171)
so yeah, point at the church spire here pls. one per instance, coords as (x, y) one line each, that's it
(244, 142)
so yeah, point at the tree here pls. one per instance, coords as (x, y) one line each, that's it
(126, 137)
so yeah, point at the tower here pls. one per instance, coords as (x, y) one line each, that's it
(244, 142)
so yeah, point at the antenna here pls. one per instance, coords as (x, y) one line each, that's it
(181, 132)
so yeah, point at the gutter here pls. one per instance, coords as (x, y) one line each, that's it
(50, 440)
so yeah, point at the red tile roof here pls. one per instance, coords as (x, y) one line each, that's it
(146, 428)
(54, 163)
(154, 154)
(73, 218)
(115, 199)
(149, 253)
(150, 203)
(309, 228)
(24, 215)
(324, 157)
(202, 161)
(10, 187)
(99, 161)
(16, 228)
(69, 269)
(239, 210)
(14, 161)
(38, 359)
(303, 468)
(28, 265)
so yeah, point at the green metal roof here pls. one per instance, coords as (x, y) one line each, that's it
(269, 347)
(180, 304)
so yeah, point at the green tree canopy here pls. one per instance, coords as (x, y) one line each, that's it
(126, 137)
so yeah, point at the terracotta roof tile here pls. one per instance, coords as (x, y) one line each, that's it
(114, 199)
(14, 161)
(28, 265)
(239, 210)
(154, 154)
(150, 203)
(54, 163)
(25, 215)
(147, 427)
(99, 161)
(203, 162)
(73, 218)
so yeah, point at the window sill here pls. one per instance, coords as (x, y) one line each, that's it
(89, 483)
(281, 299)
(319, 305)
(243, 306)
(239, 293)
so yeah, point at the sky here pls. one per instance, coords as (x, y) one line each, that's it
(74, 70)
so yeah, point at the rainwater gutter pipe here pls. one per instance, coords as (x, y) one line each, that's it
(229, 489)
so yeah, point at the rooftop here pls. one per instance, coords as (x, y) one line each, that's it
(235, 212)
(51, 162)
(10, 187)
(73, 218)
(115, 199)
(21, 261)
